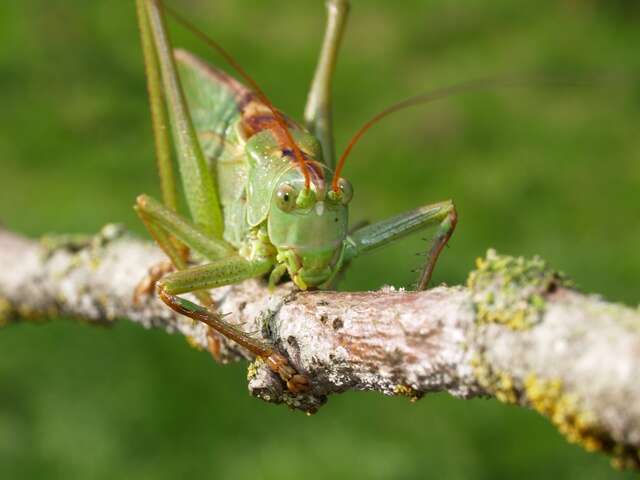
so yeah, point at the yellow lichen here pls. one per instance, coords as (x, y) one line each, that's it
(6, 311)
(193, 343)
(564, 409)
(252, 369)
(482, 372)
(505, 389)
(26, 312)
(501, 385)
(407, 391)
(511, 290)
(578, 425)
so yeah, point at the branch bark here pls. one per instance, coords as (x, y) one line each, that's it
(516, 332)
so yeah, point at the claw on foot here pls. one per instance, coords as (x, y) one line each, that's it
(296, 383)
(147, 285)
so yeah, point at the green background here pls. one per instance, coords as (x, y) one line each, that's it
(549, 171)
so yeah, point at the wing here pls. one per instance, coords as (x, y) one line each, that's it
(215, 100)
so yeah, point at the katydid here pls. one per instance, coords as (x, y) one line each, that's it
(261, 189)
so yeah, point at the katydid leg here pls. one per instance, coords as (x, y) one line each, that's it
(176, 251)
(165, 97)
(176, 261)
(185, 231)
(223, 272)
(376, 235)
(156, 272)
(159, 119)
(227, 268)
(199, 187)
(317, 112)
(172, 233)
(442, 236)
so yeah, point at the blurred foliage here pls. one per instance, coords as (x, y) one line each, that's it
(549, 171)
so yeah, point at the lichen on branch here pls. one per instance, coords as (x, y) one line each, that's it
(516, 332)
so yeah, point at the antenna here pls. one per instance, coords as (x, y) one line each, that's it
(486, 83)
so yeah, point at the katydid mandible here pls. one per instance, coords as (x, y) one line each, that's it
(264, 192)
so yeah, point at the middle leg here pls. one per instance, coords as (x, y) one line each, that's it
(381, 233)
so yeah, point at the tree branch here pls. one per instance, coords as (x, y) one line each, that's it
(516, 332)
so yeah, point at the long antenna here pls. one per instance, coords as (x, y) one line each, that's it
(470, 86)
(280, 121)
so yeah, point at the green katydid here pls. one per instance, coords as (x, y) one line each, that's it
(261, 189)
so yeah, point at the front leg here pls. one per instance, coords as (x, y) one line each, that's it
(378, 234)
(216, 274)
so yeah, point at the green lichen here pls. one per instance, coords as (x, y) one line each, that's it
(107, 234)
(564, 409)
(75, 243)
(512, 291)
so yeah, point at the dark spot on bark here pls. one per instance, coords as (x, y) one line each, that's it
(290, 297)
(553, 285)
(323, 319)
(266, 330)
(332, 356)
(323, 302)
(395, 358)
(337, 323)
(291, 340)
(242, 305)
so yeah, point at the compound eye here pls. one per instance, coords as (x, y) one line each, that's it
(346, 190)
(286, 197)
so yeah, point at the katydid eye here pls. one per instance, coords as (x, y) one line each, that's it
(286, 197)
(346, 190)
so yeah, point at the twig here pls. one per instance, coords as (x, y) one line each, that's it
(516, 332)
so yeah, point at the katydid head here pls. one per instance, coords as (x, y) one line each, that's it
(308, 227)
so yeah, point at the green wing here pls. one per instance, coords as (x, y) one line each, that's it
(213, 98)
